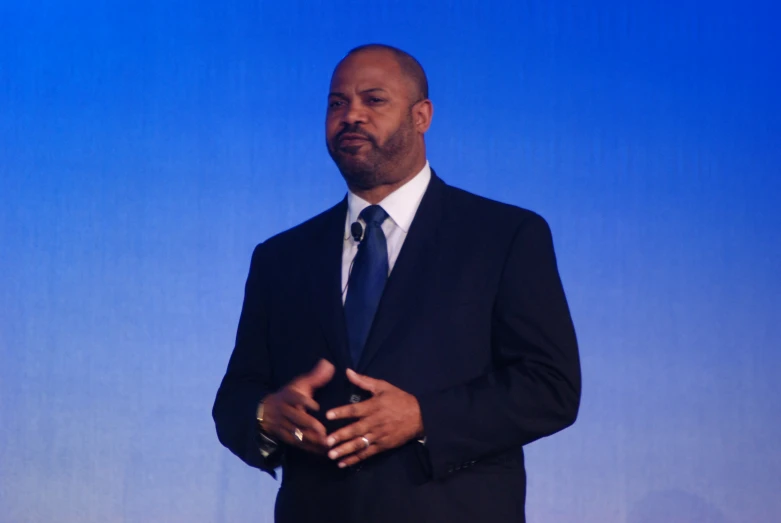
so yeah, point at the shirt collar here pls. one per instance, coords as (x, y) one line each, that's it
(401, 205)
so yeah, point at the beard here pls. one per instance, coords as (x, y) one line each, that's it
(369, 165)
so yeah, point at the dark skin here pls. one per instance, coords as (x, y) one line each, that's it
(375, 124)
(389, 419)
(287, 409)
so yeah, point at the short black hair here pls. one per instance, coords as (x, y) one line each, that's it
(408, 64)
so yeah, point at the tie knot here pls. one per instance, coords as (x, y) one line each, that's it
(373, 215)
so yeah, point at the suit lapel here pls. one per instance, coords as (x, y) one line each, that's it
(326, 282)
(408, 276)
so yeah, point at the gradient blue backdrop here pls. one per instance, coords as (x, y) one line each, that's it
(146, 147)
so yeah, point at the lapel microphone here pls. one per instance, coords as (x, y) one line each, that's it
(356, 229)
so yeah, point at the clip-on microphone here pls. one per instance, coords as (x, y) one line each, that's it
(356, 229)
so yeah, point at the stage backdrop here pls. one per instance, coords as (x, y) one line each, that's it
(146, 147)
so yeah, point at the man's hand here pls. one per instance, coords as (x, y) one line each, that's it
(387, 420)
(286, 410)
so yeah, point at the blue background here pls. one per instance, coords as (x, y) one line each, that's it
(146, 147)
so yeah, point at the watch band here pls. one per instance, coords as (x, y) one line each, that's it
(266, 444)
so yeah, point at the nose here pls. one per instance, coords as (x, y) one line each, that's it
(354, 114)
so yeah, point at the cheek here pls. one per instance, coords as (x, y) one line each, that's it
(381, 134)
(389, 138)
(331, 126)
(329, 137)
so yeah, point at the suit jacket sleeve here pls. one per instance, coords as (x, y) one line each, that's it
(533, 389)
(248, 378)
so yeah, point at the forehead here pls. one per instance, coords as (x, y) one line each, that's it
(368, 70)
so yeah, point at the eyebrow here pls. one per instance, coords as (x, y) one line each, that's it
(365, 91)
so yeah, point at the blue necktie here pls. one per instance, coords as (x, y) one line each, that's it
(367, 280)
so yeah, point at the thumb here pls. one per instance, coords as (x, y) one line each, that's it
(319, 375)
(365, 382)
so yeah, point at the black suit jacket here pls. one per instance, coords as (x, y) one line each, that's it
(473, 322)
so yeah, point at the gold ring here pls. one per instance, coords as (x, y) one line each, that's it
(366, 441)
(298, 435)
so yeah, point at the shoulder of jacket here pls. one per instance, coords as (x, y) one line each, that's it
(468, 203)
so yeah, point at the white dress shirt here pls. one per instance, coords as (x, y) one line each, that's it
(401, 206)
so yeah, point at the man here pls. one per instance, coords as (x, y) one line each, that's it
(396, 352)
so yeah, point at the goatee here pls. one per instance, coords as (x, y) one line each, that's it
(373, 167)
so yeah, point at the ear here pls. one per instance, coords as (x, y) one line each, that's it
(422, 112)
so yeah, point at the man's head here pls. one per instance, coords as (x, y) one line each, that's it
(378, 111)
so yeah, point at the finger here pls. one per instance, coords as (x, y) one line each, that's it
(356, 457)
(287, 428)
(320, 450)
(353, 430)
(353, 410)
(299, 398)
(312, 429)
(287, 406)
(312, 442)
(348, 434)
(350, 447)
(307, 423)
(285, 432)
(365, 382)
(318, 376)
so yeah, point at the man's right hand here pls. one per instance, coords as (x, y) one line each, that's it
(286, 410)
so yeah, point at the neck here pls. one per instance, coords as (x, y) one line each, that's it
(375, 195)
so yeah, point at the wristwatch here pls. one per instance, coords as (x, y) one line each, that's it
(266, 444)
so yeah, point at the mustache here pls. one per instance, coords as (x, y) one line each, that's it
(355, 130)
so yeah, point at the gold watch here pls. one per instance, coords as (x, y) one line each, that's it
(261, 409)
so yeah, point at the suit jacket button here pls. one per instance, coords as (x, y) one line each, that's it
(354, 398)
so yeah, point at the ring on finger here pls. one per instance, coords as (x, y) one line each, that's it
(299, 435)
(366, 441)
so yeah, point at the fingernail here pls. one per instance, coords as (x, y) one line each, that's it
(330, 441)
(330, 414)
(333, 454)
(342, 465)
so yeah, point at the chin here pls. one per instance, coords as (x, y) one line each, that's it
(359, 175)
(352, 161)
(357, 166)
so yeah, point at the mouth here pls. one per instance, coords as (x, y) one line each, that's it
(352, 139)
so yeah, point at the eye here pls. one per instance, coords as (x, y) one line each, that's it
(376, 101)
(335, 103)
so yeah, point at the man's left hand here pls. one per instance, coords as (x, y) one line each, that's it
(390, 418)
